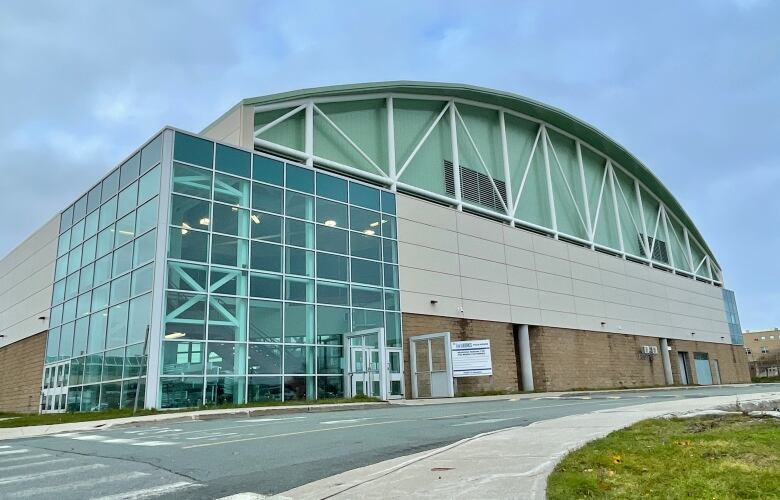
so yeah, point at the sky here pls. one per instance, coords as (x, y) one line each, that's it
(691, 88)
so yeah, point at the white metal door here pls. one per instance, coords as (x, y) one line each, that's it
(430, 357)
(54, 394)
(368, 372)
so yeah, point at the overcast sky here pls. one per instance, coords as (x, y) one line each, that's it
(691, 88)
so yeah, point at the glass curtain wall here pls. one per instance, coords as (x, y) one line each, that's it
(269, 265)
(102, 300)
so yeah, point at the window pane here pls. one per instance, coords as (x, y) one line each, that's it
(88, 251)
(191, 180)
(66, 340)
(63, 243)
(393, 329)
(233, 161)
(97, 331)
(227, 251)
(298, 323)
(391, 276)
(300, 205)
(80, 209)
(367, 247)
(91, 224)
(389, 229)
(69, 311)
(388, 202)
(300, 262)
(331, 187)
(86, 277)
(266, 257)
(102, 270)
(193, 150)
(300, 179)
(128, 199)
(186, 244)
(117, 325)
(61, 268)
(146, 217)
(129, 170)
(125, 229)
(228, 281)
(184, 276)
(365, 221)
(366, 271)
(329, 359)
(84, 305)
(332, 323)
(333, 267)
(226, 358)
(190, 213)
(185, 316)
(183, 358)
(332, 293)
(225, 390)
(105, 241)
(74, 259)
(299, 388)
(77, 234)
(268, 170)
(363, 296)
(100, 297)
(265, 285)
(364, 319)
(93, 365)
(331, 214)
(390, 251)
(135, 362)
(330, 387)
(120, 289)
(142, 280)
(265, 359)
(58, 293)
(108, 213)
(331, 239)
(299, 359)
(231, 190)
(264, 389)
(181, 392)
(149, 185)
(267, 198)
(110, 185)
(230, 220)
(132, 390)
(299, 289)
(266, 227)
(227, 318)
(140, 318)
(144, 248)
(80, 336)
(151, 154)
(113, 362)
(66, 219)
(265, 321)
(363, 196)
(53, 345)
(299, 233)
(123, 259)
(392, 300)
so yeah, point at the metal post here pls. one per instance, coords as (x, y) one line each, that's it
(666, 362)
(526, 369)
(141, 370)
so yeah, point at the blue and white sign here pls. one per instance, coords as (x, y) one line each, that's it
(471, 358)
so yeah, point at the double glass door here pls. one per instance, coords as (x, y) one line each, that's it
(373, 369)
(365, 371)
(54, 393)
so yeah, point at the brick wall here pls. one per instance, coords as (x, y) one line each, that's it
(565, 359)
(502, 348)
(21, 368)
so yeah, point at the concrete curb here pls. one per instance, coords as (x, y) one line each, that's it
(45, 430)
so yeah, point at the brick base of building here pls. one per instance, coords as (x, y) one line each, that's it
(21, 370)
(566, 359)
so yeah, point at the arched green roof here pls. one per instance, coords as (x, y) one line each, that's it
(560, 119)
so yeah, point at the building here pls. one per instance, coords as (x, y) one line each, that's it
(337, 241)
(763, 352)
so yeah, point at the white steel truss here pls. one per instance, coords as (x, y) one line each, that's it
(665, 221)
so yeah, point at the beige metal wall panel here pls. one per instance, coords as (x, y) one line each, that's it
(26, 279)
(234, 127)
(459, 265)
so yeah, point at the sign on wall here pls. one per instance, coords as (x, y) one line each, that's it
(471, 358)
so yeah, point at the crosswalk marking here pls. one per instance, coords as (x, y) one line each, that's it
(14, 452)
(346, 421)
(34, 464)
(152, 443)
(50, 473)
(151, 492)
(110, 440)
(5, 446)
(44, 490)
(25, 457)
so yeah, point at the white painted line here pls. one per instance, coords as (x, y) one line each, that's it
(347, 421)
(613, 397)
(254, 420)
(486, 421)
(285, 434)
(34, 464)
(34, 492)
(26, 457)
(119, 441)
(50, 473)
(152, 443)
(245, 496)
(65, 434)
(5, 446)
(445, 417)
(212, 436)
(90, 437)
(151, 492)
(14, 452)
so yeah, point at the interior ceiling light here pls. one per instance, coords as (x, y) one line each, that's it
(374, 224)
(330, 223)
(369, 232)
(175, 335)
(235, 209)
(204, 221)
(255, 219)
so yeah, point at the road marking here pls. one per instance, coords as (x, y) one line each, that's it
(5, 446)
(89, 437)
(35, 464)
(33, 492)
(14, 452)
(613, 397)
(347, 421)
(295, 433)
(445, 417)
(152, 443)
(486, 421)
(151, 492)
(250, 420)
(212, 436)
(119, 441)
(50, 473)
(26, 457)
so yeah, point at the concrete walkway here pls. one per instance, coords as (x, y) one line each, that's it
(510, 463)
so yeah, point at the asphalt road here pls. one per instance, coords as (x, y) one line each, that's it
(216, 458)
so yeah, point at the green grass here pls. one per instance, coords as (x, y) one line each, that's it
(24, 420)
(706, 457)
(759, 380)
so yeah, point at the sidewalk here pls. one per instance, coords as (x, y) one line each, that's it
(510, 463)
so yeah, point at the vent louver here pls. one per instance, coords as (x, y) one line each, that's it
(475, 187)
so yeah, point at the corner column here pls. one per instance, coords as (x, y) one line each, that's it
(526, 368)
(666, 362)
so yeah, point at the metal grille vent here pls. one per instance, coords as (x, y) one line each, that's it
(660, 253)
(475, 187)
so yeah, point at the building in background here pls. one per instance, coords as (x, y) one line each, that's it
(342, 240)
(763, 352)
